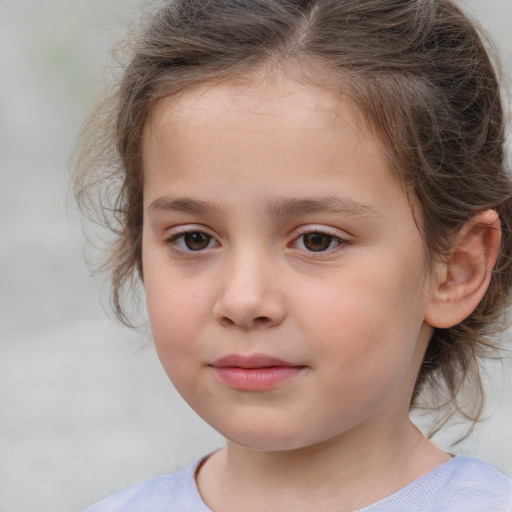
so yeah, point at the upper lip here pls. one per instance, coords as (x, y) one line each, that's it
(252, 361)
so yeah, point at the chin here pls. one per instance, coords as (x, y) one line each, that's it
(266, 444)
(266, 439)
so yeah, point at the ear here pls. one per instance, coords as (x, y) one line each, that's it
(461, 281)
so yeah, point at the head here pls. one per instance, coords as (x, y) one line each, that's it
(419, 80)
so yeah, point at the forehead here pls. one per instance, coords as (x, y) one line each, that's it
(247, 104)
(281, 131)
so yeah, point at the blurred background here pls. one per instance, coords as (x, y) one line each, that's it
(85, 408)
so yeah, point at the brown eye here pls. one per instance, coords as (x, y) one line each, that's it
(317, 242)
(192, 241)
(196, 240)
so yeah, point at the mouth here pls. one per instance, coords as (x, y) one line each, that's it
(254, 373)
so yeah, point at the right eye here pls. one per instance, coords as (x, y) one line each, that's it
(318, 242)
(192, 241)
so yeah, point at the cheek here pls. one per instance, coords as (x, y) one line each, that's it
(369, 319)
(174, 320)
(175, 315)
(364, 338)
(171, 301)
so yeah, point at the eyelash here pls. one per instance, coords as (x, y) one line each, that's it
(323, 231)
(178, 239)
(173, 241)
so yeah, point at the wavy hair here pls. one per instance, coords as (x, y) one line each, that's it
(422, 80)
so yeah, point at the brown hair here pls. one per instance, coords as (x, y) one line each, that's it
(422, 80)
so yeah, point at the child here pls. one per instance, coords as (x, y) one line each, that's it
(313, 194)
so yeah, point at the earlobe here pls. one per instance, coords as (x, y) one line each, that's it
(462, 280)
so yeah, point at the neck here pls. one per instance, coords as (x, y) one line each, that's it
(343, 474)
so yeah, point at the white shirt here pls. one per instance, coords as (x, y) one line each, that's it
(463, 484)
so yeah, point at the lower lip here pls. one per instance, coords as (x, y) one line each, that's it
(256, 379)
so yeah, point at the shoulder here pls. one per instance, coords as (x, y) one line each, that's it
(176, 492)
(464, 484)
(477, 486)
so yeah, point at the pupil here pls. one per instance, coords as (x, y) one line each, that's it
(197, 241)
(317, 241)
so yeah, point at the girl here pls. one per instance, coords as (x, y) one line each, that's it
(313, 194)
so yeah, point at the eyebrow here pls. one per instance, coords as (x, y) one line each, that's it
(181, 204)
(280, 207)
(338, 205)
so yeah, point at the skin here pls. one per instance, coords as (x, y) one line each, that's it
(230, 161)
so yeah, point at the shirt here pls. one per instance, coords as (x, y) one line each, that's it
(463, 484)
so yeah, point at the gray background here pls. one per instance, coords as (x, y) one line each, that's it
(85, 407)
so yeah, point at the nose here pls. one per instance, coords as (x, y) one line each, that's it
(249, 295)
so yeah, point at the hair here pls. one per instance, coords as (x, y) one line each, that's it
(423, 82)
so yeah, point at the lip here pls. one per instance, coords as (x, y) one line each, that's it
(257, 372)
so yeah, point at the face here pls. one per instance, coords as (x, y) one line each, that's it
(284, 272)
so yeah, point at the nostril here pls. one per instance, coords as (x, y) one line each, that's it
(248, 324)
(248, 312)
(261, 319)
(226, 321)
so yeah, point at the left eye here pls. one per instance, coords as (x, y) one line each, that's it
(193, 241)
(317, 242)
